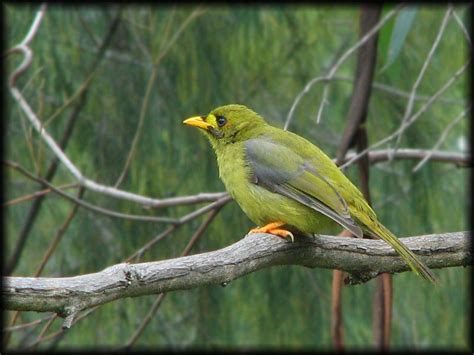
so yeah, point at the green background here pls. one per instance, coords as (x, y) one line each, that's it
(260, 56)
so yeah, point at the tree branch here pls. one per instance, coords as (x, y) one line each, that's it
(427, 61)
(336, 66)
(413, 118)
(364, 258)
(376, 156)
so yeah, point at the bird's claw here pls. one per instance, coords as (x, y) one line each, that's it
(283, 233)
(272, 228)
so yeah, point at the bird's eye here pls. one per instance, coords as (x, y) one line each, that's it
(221, 120)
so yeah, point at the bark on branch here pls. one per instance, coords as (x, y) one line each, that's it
(363, 258)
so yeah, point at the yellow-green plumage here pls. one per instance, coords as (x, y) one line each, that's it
(275, 175)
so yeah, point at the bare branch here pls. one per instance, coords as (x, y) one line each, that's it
(336, 66)
(162, 53)
(87, 205)
(37, 194)
(92, 185)
(256, 251)
(219, 198)
(376, 85)
(27, 325)
(441, 139)
(24, 48)
(463, 28)
(397, 92)
(413, 118)
(159, 300)
(42, 333)
(67, 133)
(355, 130)
(157, 219)
(427, 61)
(111, 191)
(59, 153)
(381, 155)
(368, 35)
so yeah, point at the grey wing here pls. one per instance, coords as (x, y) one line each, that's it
(298, 181)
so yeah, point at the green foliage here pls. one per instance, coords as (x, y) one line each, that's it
(260, 56)
(398, 33)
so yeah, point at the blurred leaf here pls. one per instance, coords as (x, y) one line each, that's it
(385, 34)
(399, 32)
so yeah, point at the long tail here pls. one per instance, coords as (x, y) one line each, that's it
(411, 259)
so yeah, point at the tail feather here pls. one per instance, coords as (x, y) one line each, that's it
(411, 259)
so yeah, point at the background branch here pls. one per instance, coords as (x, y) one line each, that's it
(381, 155)
(336, 66)
(414, 117)
(53, 166)
(411, 101)
(355, 133)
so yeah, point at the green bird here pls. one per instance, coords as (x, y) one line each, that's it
(287, 185)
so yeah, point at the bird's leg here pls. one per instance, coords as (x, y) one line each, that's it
(272, 228)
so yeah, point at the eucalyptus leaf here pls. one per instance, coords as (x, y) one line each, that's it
(403, 24)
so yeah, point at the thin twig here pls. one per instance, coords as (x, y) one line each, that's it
(411, 101)
(413, 118)
(23, 47)
(376, 85)
(362, 89)
(135, 256)
(59, 234)
(37, 194)
(215, 205)
(146, 320)
(87, 205)
(87, 183)
(441, 139)
(404, 94)
(54, 243)
(377, 156)
(220, 202)
(27, 325)
(175, 221)
(368, 35)
(80, 91)
(156, 305)
(463, 27)
(41, 334)
(162, 53)
(63, 330)
(67, 133)
(138, 38)
(336, 66)
(298, 98)
(337, 322)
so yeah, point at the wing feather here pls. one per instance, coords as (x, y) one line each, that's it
(299, 180)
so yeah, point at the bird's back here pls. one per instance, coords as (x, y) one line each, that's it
(359, 209)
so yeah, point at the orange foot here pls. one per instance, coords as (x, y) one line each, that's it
(272, 228)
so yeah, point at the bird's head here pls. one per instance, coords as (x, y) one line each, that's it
(229, 124)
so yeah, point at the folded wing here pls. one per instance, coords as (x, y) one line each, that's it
(281, 170)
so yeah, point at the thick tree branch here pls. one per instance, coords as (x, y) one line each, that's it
(364, 258)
